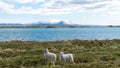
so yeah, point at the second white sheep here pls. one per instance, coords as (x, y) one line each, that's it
(66, 58)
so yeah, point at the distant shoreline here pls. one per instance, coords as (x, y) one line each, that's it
(58, 40)
(56, 26)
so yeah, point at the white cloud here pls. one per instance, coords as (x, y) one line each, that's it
(44, 11)
(4, 5)
(9, 20)
(27, 1)
(114, 13)
(54, 7)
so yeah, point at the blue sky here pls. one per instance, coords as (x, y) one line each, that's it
(88, 12)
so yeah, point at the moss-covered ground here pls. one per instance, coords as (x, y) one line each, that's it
(87, 54)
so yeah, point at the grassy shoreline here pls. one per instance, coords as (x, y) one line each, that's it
(87, 53)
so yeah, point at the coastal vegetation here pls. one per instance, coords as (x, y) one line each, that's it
(87, 53)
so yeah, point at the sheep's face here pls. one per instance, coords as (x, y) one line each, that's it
(46, 50)
(61, 52)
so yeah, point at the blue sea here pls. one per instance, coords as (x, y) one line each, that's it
(53, 34)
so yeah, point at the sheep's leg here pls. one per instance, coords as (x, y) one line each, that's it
(73, 61)
(46, 61)
(65, 61)
(53, 62)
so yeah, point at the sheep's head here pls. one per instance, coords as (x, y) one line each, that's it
(46, 50)
(61, 52)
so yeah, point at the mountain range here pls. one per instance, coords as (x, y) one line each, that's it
(47, 25)
(60, 23)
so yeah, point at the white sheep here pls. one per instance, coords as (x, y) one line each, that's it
(66, 58)
(50, 56)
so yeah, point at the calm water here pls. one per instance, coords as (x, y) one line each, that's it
(43, 34)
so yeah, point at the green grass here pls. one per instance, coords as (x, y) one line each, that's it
(87, 53)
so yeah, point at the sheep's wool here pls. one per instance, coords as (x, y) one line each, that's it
(50, 56)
